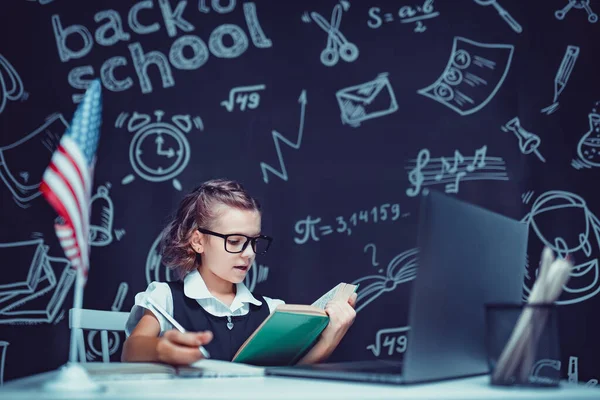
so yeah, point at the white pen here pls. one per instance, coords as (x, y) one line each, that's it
(176, 324)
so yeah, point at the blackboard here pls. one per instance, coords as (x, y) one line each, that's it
(337, 115)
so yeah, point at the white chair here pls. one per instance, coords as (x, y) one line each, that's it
(99, 320)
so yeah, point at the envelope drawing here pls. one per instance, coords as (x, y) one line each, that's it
(367, 100)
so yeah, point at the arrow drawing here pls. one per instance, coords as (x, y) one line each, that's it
(279, 137)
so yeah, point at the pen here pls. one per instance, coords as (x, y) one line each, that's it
(176, 324)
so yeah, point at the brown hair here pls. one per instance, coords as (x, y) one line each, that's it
(198, 210)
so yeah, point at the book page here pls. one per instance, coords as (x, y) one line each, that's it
(327, 297)
(301, 309)
(342, 292)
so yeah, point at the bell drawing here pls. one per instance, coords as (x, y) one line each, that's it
(102, 218)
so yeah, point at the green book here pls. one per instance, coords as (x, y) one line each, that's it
(289, 331)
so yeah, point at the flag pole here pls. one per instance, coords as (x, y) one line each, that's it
(67, 185)
(77, 304)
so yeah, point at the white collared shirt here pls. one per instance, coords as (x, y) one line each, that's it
(194, 288)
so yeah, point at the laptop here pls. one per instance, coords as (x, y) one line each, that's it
(468, 256)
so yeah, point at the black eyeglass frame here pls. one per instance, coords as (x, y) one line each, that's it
(251, 240)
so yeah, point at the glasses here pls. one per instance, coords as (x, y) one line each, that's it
(237, 243)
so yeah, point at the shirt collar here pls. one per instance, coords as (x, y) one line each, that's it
(194, 287)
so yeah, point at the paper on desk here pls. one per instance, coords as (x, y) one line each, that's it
(200, 369)
(220, 369)
(128, 370)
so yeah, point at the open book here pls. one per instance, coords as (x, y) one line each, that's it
(289, 331)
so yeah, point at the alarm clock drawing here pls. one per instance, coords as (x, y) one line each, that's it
(159, 150)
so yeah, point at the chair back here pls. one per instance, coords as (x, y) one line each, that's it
(97, 320)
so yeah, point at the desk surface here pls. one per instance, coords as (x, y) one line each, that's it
(291, 388)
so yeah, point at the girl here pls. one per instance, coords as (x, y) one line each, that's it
(211, 244)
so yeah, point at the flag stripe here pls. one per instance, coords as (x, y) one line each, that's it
(73, 154)
(70, 252)
(70, 184)
(73, 257)
(79, 160)
(68, 242)
(64, 165)
(62, 228)
(68, 204)
(63, 232)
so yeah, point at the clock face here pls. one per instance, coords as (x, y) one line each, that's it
(159, 151)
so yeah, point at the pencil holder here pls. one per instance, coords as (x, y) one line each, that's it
(523, 345)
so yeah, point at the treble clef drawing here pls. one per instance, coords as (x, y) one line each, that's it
(416, 176)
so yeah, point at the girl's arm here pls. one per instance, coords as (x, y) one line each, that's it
(174, 347)
(341, 317)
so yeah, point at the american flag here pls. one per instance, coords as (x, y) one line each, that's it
(67, 182)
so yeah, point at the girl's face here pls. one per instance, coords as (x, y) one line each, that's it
(230, 267)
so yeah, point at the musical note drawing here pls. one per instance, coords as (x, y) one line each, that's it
(247, 96)
(478, 159)
(472, 77)
(337, 45)
(277, 137)
(427, 171)
(577, 4)
(458, 159)
(395, 339)
(528, 142)
(562, 76)
(453, 187)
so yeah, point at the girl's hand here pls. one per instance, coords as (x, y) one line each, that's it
(341, 317)
(179, 348)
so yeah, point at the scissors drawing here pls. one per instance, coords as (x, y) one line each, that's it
(337, 44)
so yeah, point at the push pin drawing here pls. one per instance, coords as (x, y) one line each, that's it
(578, 4)
(337, 44)
(528, 142)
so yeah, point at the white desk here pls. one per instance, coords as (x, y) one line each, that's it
(292, 388)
